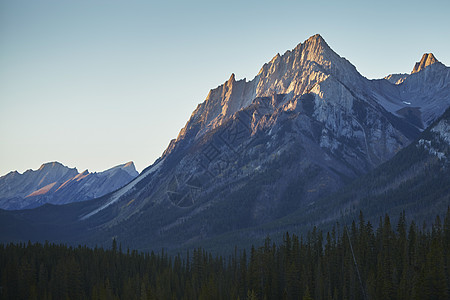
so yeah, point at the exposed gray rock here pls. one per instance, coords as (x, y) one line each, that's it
(427, 60)
(303, 127)
(254, 151)
(396, 78)
(57, 184)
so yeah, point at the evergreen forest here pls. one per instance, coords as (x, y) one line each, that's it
(392, 261)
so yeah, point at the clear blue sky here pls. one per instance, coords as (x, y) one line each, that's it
(93, 84)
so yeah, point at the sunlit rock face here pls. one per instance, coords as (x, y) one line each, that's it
(303, 126)
(313, 67)
(255, 151)
(57, 184)
(293, 73)
(427, 60)
(309, 105)
(344, 102)
(396, 78)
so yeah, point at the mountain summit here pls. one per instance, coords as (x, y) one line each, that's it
(255, 151)
(292, 74)
(427, 60)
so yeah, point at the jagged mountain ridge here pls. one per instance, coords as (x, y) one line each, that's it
(416, 181)
(420, 96)
(311, 68)
(396, 78)
(292, 74)
(427, 60)
(308, 113)
(252, 152)
(298, 71)
(57, 184)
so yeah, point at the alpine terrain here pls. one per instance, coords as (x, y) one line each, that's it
(285, 148)
(57, 184)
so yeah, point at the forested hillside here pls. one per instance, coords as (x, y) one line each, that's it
(393, 261)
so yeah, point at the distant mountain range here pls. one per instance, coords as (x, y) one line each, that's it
(307, 141)
(57, 184)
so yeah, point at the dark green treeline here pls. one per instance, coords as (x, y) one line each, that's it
(394, 261)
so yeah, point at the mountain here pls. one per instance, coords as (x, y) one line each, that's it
(420, 97)
(415, 181)
(396, 78)
(254, 152)
(427, 60)
(57, 184)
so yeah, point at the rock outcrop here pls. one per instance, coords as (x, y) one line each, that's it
(427, 60)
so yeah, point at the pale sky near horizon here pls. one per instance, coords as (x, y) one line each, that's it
(93, 84)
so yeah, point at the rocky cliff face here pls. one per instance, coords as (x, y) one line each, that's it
(291, 74)
(437, 141)
(306, 125)
(57, 184)
(396, 78)
(342, 101)
(254, 150)
(427, 60)
(420, 97)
